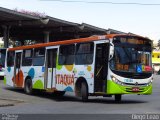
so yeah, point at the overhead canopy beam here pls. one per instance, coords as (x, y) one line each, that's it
(25, 26)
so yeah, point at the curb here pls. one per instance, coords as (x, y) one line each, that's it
(6, 105)
(9, 102)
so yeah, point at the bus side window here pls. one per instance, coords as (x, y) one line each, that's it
(66, 54)
(27, 57)
(39, 57)
(84, 53)
(10, 58)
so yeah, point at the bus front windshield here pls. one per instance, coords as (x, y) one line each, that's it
(132, 56)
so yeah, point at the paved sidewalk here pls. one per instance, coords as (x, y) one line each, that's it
(4, 103)
(6, 98)
(8, 102)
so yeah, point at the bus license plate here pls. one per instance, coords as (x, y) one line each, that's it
(135, 89)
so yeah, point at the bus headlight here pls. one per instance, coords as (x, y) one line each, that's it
(150, 82)
(114, 79)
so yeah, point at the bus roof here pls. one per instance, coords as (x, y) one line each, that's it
(114, 35)
(72, 41)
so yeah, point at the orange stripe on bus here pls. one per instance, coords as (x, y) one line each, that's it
(57, 43)
(88, 39)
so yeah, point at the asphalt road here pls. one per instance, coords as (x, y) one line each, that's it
(47, 104)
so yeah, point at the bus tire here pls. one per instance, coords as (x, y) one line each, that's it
(28, 86)
(118, 98)
(84, 92)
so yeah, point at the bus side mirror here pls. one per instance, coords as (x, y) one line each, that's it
(111, 53)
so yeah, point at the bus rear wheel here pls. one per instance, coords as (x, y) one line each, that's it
(118, 98)
(84, 92)
(28, 86)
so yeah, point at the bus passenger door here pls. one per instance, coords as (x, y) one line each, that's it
(51, 68)
(101, 67)
(18, 75)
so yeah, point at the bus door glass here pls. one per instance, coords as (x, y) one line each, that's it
(18, 77)
(101, 67)
(51, 67)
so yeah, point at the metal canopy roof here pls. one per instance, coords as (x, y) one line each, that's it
(11, 15)
(14, 18)
(24, 26)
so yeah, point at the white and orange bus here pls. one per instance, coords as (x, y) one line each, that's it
(109, 65)
(2, 62)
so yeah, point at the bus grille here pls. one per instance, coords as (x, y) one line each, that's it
(130, 90)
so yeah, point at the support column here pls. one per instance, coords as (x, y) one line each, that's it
(6, 35)
(46, 36)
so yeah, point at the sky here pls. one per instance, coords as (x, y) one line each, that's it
(139, 19)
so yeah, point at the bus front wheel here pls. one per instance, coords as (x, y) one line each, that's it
(84, 92)
(28, 86)
(118, 98)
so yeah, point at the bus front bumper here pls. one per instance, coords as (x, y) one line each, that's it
(113, 88)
